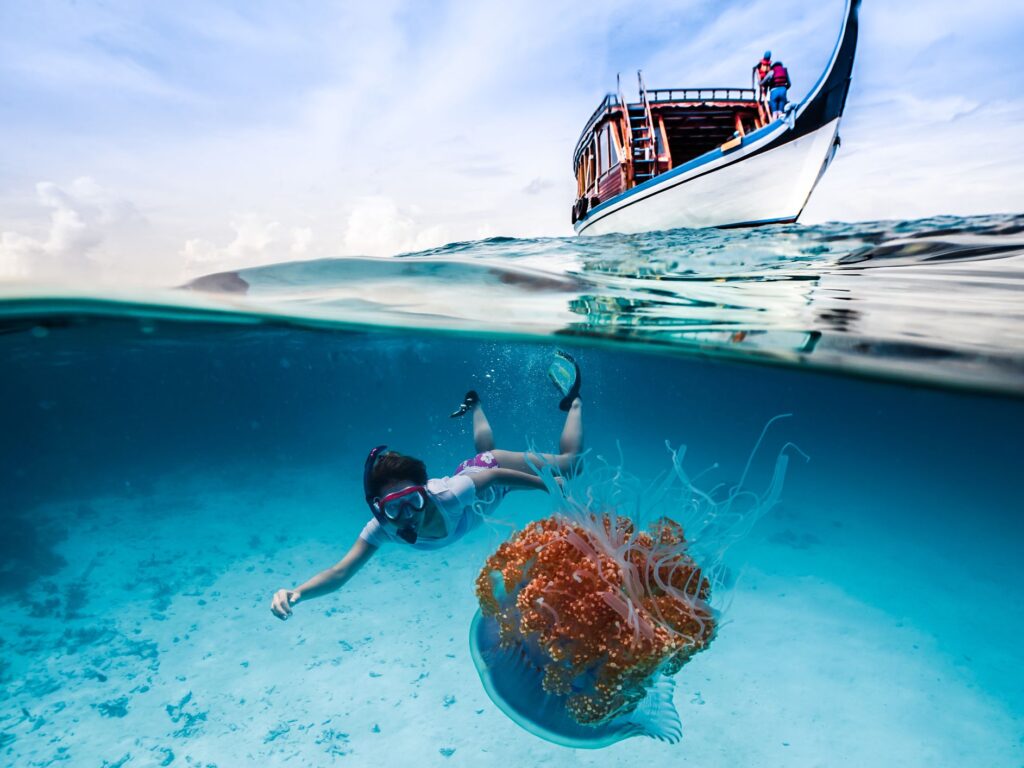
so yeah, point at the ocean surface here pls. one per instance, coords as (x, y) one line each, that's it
(169, 458)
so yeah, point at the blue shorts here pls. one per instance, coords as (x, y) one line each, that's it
(778, 96)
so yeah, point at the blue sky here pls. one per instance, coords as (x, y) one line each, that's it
(152, 141)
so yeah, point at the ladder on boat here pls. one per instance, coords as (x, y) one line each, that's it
(642, 142)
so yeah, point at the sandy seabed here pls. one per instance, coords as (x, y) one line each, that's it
(150, 642)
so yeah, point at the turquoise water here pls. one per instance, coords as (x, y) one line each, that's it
(170, 458)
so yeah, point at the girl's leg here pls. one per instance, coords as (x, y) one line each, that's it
(483, 437)
(571, 440)
(570, 446)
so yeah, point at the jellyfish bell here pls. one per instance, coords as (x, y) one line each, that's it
(582, 622)
(513, 679)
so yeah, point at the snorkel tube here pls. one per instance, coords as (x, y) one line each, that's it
(405, 533)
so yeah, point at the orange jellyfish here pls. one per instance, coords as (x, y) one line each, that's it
(585, 616)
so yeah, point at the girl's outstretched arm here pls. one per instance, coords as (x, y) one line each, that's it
(325, 581)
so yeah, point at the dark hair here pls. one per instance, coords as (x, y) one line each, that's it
(394, 467)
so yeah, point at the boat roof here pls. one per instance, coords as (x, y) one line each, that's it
(666, 97)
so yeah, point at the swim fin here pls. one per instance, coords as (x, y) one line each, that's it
(565, 375)
(471, 399)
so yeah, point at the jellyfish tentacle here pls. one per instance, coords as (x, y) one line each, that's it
(554, 614)
(757, 445)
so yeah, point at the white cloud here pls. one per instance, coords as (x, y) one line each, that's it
(302, 238)
(88, 228)
(538, 185)
(256, 241)
(377, 227)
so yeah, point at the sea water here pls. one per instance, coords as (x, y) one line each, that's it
(169, 459)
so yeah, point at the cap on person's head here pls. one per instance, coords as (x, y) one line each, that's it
(767, 55)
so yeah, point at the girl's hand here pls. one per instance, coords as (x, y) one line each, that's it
(284, 599)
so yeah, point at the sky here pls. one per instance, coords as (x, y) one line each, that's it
(153, 142)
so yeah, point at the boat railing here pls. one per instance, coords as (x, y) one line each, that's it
(651, 152)
(764, 102)
(610, 101)
(764, 106)
(656, 95)
(627, 133)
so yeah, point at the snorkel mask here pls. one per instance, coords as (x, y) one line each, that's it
(399, 508)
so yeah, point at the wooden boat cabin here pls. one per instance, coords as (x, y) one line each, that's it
(626, 144)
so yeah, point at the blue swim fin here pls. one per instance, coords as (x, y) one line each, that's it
(565, 375)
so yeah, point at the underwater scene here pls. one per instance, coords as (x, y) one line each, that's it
(787, 532)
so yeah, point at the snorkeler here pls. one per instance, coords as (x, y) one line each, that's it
(412, 510)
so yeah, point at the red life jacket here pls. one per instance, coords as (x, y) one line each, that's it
(762, 68)
(780, 77)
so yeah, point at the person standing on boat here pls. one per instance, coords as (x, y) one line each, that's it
(778, 80)
(761, 70)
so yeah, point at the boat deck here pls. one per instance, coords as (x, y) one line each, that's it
(697, 120)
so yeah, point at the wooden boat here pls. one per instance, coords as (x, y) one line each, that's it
(708, 157)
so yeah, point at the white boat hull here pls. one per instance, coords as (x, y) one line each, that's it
(743, 188)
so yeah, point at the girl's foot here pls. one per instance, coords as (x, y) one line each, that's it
(468, 402)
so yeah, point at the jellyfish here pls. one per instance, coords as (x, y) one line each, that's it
(585, 616)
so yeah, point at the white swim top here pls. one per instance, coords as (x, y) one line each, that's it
(458, 503)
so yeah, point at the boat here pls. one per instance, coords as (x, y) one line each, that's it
(708, 157)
